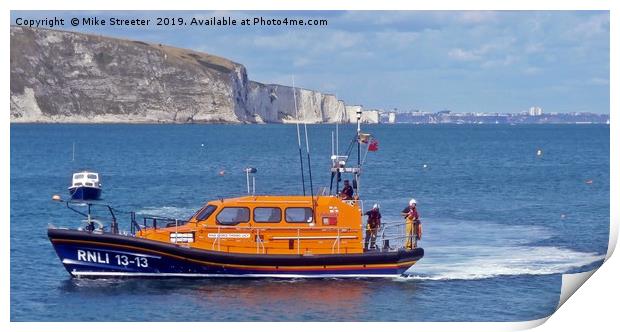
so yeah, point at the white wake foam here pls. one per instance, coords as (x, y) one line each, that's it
(478, 250)
(493, 261)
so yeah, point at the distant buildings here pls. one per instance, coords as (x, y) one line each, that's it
(392, 117)
(534, 115)
(535, 111)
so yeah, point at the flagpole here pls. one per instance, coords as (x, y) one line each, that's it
(359, 166)
(301, 160)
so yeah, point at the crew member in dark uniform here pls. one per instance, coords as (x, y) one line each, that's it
(347, 191)
(372, 226)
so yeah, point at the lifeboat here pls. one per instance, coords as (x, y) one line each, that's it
(247, 236)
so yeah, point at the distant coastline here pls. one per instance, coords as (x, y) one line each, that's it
(534, 116)
(310, 123)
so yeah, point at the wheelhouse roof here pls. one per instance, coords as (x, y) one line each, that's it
(86, 172)
(257, 200)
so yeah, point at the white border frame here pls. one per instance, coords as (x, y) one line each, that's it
(593, 306)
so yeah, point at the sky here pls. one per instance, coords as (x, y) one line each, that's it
(464, 61)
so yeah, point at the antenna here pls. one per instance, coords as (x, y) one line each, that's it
(359, 165)
(358, 114)
(301, 162)
(248, 171)
(309, 165)
(338, 119)
(337, 144)
(308, 155)
(73, 155)
(332, 143)
(336, 160)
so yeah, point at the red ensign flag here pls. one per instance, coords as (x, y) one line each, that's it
(374, 145)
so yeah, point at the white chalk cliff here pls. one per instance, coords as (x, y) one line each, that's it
(59, 76)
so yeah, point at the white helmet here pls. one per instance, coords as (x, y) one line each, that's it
(412, 201)
(376, 206)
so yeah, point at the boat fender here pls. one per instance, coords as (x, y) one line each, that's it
(419, 230)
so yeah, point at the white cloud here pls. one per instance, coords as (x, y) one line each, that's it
(301, 61)
(593, 26)
(492, 54)
(310, 41)
(431, 19)
(533, 48)
(532, 70)
(394, 39)
(598, 81)
(463, 55)
(501, 62)
(477, 17)
(380, 17)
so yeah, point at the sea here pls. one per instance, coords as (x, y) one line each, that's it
(506, 210)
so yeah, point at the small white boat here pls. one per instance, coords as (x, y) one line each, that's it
(85, 185)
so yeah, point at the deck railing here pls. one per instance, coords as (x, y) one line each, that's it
(389, 237)
(296, 234)
(392, 236)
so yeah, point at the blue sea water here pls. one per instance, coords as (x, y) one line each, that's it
(501, 224)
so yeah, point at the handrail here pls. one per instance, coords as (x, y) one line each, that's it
(113, 223)
(399, 236)
(217, 240)
(259, 242)
(336, 242)
(324, 237)
(261, 231)
(297, 236)
(237, 227)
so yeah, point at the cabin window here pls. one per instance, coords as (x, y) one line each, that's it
(302, 214)
(205, 213)
(79, 184)
(78, 176)
(233, 215)
(91, 176)
(267, 214)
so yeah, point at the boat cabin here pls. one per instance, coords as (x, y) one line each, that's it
(85, 179)
(268, 225)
